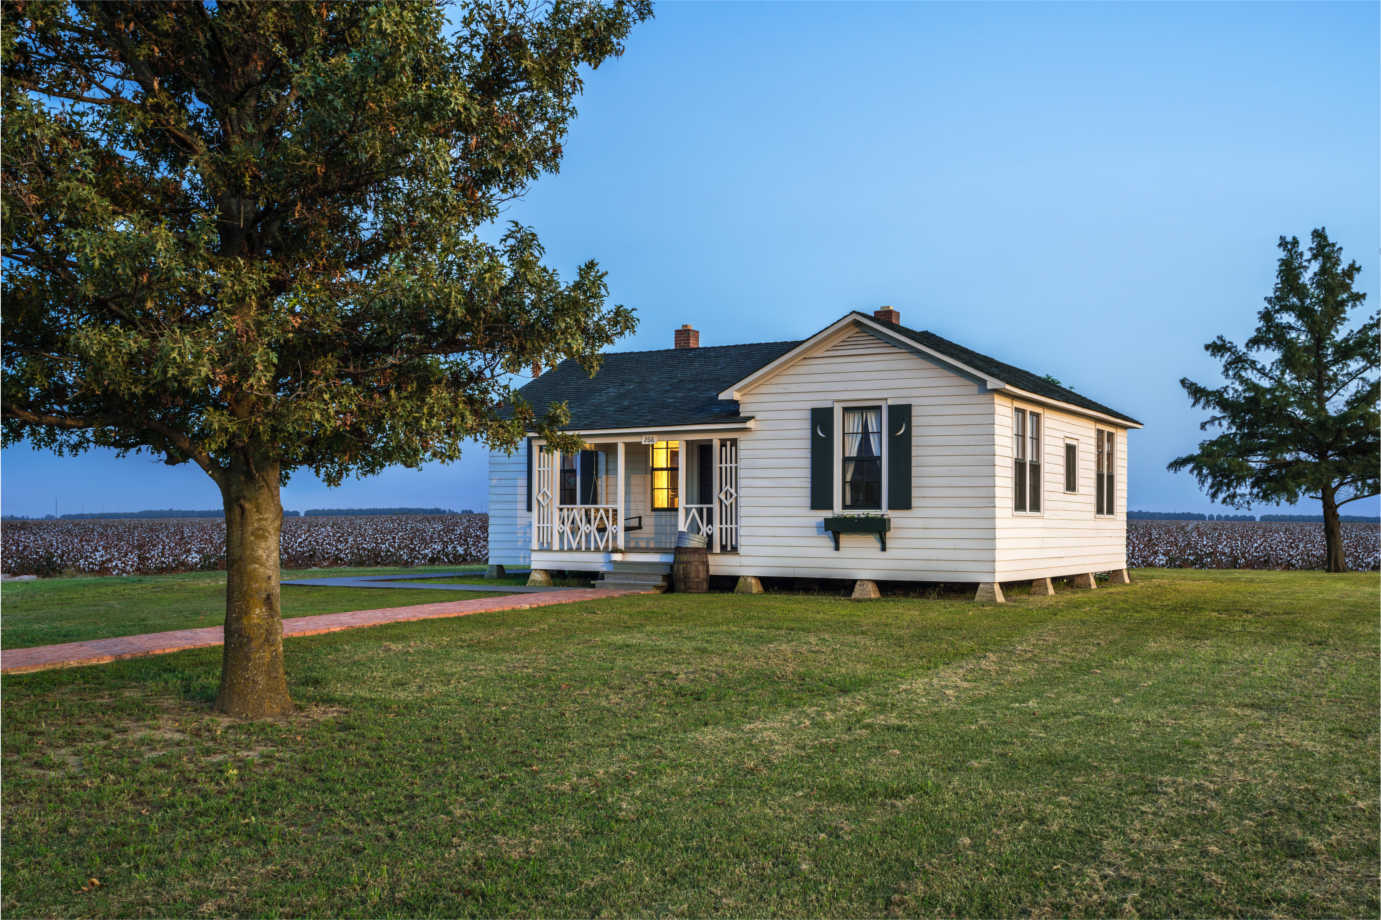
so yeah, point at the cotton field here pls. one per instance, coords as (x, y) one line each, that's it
(1245, 545)
(124, 547)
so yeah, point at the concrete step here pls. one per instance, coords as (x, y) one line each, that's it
(639, 576)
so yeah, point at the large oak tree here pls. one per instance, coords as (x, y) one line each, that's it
(1298, 410)
(257, 237)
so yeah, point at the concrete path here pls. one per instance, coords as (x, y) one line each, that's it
(100, 651)
(407, 581)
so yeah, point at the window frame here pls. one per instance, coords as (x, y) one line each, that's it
(1028, 449)
(839, 406)
(881, 409)
(673, 486)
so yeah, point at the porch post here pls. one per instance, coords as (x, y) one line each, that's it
(714, 497)
(619, 493)
(556, 499)
(681, 455)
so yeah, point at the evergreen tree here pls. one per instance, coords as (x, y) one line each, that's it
(1298, 412)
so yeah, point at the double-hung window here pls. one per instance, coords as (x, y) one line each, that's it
(580, 477)
(1106, 481)
(569, 479)
(666, 473)
(862, 467)
(1026, 460)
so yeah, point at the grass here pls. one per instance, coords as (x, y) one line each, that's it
(54, 610)
(1199, 743)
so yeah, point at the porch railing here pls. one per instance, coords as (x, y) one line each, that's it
(589, 528)
(700, 520)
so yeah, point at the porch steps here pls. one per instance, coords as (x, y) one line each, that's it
(646, 576)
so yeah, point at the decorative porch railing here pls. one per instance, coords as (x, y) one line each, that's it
(700, 520)
(589, 528)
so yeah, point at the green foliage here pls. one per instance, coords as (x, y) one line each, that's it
(256, 230)
(1298, 412)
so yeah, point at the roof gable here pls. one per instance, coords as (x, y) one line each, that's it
(1010, 374)
(994, 374)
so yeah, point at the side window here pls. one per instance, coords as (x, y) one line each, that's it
(1026, 460)
(1071, 466)
(862, 467)
(1106, 485)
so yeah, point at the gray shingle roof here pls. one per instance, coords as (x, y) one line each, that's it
(645, 389)
(681, 386)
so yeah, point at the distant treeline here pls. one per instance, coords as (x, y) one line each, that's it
(217, 512)
(1345, 518)
(1288, 518)
(121, 515)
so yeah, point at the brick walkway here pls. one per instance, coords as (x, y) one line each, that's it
(100, 651)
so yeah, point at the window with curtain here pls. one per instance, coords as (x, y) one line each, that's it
(1106, 481)
(666, 464)
(862, 458)
(1026, 460)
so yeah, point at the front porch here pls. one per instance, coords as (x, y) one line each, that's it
(625, 499)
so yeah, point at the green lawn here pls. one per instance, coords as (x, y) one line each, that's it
(72, 609)
(1198, 743)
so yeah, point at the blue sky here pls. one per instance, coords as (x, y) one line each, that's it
(1087, 190)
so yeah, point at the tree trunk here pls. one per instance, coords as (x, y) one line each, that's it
(254, 684)
(1332, 533)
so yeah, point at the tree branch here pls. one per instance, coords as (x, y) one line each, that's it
(75, 423)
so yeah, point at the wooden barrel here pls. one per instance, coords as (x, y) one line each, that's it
(690, 570)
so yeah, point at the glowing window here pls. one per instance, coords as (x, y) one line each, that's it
(666, 462)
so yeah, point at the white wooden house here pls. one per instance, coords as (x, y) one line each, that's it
(868, 451)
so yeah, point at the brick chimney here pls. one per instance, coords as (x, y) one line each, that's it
(536, 369)
(686, 337)
(887, 315)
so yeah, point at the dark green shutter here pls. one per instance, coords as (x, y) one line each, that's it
(822, 458)
(899, 457)
(529, 474)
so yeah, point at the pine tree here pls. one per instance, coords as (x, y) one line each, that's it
(1298, 412)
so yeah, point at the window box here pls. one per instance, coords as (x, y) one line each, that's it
(879, 524)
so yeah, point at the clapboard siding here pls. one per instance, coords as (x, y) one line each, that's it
(947, 535)
(1066, 537)
(510, 524)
